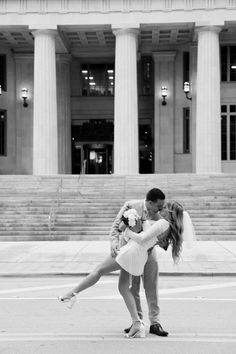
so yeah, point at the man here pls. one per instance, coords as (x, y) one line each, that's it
(147, 209)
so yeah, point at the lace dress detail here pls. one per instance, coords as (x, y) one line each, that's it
(133, 256)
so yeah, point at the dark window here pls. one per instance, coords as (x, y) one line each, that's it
(186, 61)
(97, 79)
(223, 137)
(224, 109)
(3, 70)
(228, 132)
(146, 155)
(94, 130)
(224, 56)
(147, 76)
(233, 63)
(186, 130)
(232, 108)
(3, 132)
(228, 63)
(232, 137)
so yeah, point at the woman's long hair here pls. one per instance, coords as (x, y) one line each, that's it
(176, 228)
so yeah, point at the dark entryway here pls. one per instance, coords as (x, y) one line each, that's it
(92, 147)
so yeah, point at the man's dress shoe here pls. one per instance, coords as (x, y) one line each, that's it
(158, 330)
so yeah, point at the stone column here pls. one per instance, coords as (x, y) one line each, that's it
(164, 115)
(126, 146)
(64, 113)
(45, 135)
(208, 136)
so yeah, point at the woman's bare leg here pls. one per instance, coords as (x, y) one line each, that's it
(106, 267)
(125, 291)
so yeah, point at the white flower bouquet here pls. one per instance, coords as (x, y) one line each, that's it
(130, 217)
(132, 220)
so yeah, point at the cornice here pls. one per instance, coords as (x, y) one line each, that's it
(111, 6)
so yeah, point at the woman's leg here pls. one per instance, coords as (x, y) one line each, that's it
(109, 265)
(125, 291)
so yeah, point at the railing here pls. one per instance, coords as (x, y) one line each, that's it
(53, 209)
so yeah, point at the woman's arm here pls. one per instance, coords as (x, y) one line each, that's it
(155, 230)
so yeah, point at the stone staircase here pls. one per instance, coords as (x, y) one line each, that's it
(83, 207)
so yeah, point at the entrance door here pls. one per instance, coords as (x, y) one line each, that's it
(98, 158)
(92, 146)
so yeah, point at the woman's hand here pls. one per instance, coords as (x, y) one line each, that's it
(163, 243)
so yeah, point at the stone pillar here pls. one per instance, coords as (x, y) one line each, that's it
(164, 115)
(126, 146)
(208, 136)
(45, 136)
(64, 113)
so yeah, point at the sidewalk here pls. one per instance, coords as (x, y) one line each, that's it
(80, 257)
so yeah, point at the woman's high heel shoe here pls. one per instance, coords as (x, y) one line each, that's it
(136, 331)
(71, 299)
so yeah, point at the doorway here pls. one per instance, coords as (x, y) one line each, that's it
(92, 146)
(98, 158)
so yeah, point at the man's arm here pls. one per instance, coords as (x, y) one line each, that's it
(115, 232)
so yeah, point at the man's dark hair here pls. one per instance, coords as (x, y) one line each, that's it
(154, 194)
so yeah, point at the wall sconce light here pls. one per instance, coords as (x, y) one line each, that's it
(0, 90)
(164, 94)
(24, 96)
(187, 90)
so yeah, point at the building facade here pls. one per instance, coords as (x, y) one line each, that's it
(101, 86)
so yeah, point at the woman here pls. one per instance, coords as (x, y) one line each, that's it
(133, 256)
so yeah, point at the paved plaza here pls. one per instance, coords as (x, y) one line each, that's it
(80, 257)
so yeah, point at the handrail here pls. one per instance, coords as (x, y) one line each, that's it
(53, 208)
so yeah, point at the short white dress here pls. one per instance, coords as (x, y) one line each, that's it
(133, 256)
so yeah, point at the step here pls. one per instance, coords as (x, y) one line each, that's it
(84, 207)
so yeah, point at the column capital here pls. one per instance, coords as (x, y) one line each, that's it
(44, 31)
(163, 56)
(117, 30)
(215, 29)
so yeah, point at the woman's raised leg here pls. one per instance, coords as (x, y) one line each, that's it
(106, 267)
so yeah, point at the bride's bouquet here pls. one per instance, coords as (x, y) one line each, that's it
(132, 220)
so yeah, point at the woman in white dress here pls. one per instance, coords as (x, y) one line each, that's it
(133, 256)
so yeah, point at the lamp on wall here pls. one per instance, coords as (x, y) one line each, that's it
(0, 90)
(187, 90)
(24, 96)
(163, 94)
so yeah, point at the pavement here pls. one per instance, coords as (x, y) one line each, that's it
(51, 258)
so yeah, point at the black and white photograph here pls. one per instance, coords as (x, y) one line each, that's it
(117, 176)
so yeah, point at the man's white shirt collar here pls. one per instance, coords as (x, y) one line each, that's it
(144, 207)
